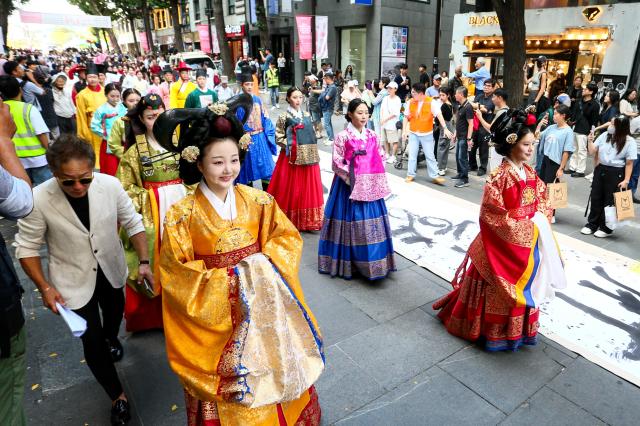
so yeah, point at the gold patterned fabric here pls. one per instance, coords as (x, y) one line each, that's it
(198, 309)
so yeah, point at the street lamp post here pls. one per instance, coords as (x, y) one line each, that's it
(209, 12)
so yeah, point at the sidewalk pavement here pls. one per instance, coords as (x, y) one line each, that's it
(389, 362)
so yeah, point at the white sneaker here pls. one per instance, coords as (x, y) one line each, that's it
(589, 177)
(553, 219)
(328, 142)
(586, 231)
(272, 108)
(391, 159)
(600, 234)
(442, 172)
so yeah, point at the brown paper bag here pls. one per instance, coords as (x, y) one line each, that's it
(558, 196)
(624, 205)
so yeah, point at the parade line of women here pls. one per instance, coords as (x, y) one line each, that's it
(224, 257)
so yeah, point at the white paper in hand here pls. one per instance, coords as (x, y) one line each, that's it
(76, 323)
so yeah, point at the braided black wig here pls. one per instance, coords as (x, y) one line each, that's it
(200, 127)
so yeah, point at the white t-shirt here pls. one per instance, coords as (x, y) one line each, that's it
(39, 127)
(282, 62)
(390, 106)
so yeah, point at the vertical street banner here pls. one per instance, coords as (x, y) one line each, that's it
(272, 7)
(322, 32)
(303, 22)
(287, 6)
(144, 44)
(203, 34)
(253, 18)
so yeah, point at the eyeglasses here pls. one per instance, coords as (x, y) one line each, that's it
(71, 182)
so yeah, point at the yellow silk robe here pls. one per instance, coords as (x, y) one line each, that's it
(196, 308)
(117, 137)
(87, 102)
(178, 97)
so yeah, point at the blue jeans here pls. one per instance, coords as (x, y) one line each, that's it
(462, 159)
(39, 175)
(635, 174)
(427, 147)
(274, 93)
(326, 122)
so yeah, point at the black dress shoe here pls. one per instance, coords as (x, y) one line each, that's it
(120, 413)
(577, 174)
(473, 169)
(115, 349)
(636, 200)
(456, 177)
(482, 172)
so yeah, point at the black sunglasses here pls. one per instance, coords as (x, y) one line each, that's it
(71, 182)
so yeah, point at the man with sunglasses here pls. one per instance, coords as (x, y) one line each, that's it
(77, 214)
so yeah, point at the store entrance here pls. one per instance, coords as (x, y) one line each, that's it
(281, 43)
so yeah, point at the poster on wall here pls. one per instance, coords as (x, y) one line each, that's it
(393, 48)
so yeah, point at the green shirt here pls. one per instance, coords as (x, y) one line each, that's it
(200, 99)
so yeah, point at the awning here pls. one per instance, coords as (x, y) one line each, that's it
(493, 53)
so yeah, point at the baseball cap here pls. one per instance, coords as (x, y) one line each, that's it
(392, 85)
(564, 99)
(437, 77)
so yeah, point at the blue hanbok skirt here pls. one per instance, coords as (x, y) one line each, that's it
(355, 236)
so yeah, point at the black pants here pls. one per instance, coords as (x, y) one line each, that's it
(96, 351)
(548, 170)
(67, 125)
(481, 144)
(605, 183)
(436, 137)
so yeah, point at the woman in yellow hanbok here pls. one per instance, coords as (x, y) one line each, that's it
(239, 334)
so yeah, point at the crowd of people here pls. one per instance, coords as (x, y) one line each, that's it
(182, 220)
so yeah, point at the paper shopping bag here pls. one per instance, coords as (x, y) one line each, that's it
(624, 205)
(557, 193)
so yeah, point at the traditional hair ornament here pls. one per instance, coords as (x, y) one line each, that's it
(512, 138)
(530, 109)
(219, 108)
(190, 154)
(245, 141)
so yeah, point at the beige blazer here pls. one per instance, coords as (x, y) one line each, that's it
(74, 253)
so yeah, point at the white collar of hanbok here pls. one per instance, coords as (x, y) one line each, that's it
(226, 209)
(296, 114)
(362, 135)
(522, 173)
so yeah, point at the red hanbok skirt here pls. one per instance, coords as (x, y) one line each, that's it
(205, 413)
(142, 313)
(475, 311)
(298, 192)
(108, 162)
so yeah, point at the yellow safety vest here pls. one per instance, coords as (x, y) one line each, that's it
(272, 78)
(25, 140)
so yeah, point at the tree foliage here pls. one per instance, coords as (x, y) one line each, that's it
(7, 7)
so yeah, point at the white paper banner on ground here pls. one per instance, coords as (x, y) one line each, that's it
(322, 30)
(65, 20)
(597, 315)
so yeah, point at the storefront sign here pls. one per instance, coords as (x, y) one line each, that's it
(234, 31)
(363, 2)
(304, 36)
(322, 30)
(484, 20)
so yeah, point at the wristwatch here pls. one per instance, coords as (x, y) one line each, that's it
(144, 262)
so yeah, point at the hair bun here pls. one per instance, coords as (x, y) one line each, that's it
(222, 126)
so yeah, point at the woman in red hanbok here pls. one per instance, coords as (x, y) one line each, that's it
(514, 263)
(295, 183)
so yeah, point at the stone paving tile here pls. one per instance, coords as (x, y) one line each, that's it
(601, 393)
(337, 317)
(310, 249)
(505, 379)
(344, 386)
(397, 350)
(311, 278)
(383, 300)
(432, 278)
(433, 397)
(550, 409)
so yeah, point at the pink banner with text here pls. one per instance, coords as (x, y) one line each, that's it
(304, 36)
(144, 44)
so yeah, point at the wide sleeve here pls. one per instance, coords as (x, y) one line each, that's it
(96, 122)
(280, 241)
(116, 137)
(281, 130)
(543, 199)
(128, 217)
(82, 119)
(129, 174)
(270, 133)
(31, 235)
(339, 163)
(173, 96)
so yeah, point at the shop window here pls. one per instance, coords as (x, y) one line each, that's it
(196, 9)
(353, 48)
(232, 7)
